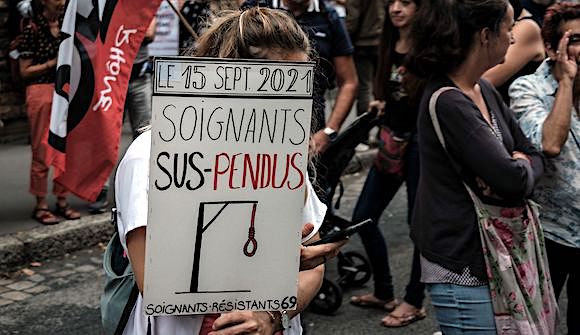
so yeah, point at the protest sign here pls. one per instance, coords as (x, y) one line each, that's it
(229, 154)
(166, 41)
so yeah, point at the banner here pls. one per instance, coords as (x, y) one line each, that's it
(102, 38)
(229, 153)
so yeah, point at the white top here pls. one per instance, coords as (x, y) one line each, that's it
(131, 191)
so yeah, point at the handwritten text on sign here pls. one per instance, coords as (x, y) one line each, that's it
(227, 180)
(227, 78)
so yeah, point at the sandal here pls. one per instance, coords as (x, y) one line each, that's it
(370, 301)
(67, 212)
(398, 321)
(44, 216)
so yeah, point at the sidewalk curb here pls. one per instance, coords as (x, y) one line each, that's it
(19, 249)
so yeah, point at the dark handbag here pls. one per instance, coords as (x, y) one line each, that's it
(391, 154)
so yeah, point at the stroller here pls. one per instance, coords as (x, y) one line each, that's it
(353, 268)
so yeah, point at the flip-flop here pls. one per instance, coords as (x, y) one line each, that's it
(44, 216)
(405, 320)
(361, 301)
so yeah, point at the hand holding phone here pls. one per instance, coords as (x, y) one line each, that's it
(341, 234)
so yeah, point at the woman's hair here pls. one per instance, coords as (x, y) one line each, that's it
(36, 9)
(555, 16)
(518, 8)
(389, 38)
(443, 32)
(251, 33)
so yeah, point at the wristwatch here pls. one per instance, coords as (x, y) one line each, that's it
(331, 133)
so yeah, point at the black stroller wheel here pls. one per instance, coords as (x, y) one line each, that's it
(354, 269)
(328, 299)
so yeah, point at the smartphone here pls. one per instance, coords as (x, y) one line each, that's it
(339, 235)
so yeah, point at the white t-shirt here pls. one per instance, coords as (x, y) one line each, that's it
(131, 191)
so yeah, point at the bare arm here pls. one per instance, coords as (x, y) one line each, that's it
(309, 283)
(527, 47)
(28, 71)
(347, 85)
(347, 81)
(557, 124)
(136, 252)
(150, 32)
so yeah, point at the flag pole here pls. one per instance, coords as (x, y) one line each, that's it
(183, 20)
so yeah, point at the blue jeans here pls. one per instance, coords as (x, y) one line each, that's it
(378, 191)
(463, 310)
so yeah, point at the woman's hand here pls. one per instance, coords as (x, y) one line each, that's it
(379, 105)
(320, 142)
(51, 63)
(246, 322)
(313, 256)
(565, 67)
(520, 155)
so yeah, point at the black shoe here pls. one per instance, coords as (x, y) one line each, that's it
(101, 204)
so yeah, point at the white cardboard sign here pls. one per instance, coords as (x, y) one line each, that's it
(227, 179)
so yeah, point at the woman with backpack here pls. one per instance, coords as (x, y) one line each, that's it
(38, 52)
(258, 33)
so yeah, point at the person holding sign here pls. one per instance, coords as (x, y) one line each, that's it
(257, 33)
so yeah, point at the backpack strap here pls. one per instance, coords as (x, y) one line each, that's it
(134, 291)
(127, 311)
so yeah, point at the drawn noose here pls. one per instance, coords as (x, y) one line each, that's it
(251, 244)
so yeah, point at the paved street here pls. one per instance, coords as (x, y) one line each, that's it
(16, 202)
(61, 296)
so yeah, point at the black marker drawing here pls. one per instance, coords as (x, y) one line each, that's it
(251, 233)
(249, 249)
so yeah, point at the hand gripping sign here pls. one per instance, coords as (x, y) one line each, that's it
(227, 180)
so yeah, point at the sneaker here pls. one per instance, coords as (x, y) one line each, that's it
(101, 204)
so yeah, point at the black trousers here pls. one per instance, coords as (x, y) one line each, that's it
(564, 266)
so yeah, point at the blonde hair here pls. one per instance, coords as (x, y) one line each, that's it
(251, 33)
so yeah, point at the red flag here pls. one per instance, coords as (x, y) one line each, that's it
(94, 65)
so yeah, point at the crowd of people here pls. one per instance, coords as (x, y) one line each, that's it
(478, 101)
